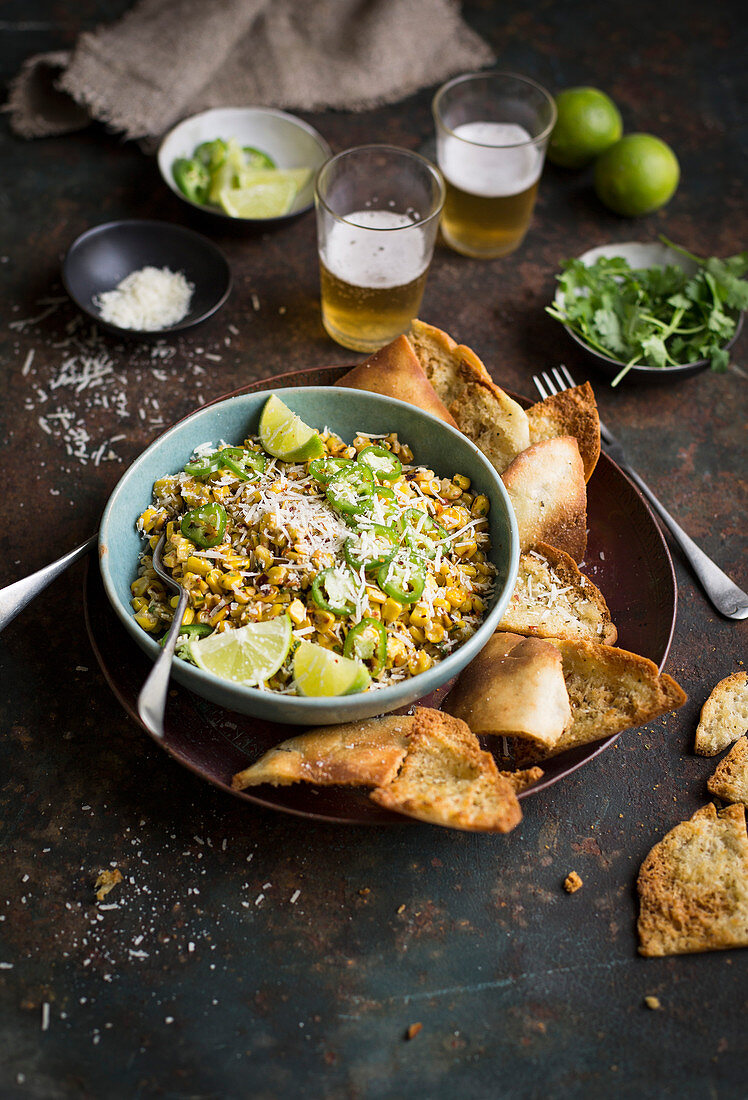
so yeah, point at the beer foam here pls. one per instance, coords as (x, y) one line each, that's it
(355, 254)
(489, 159)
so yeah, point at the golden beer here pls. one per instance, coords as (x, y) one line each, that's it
(373, 268)
(486, 225)
(365, 318)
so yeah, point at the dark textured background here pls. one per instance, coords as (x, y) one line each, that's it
(189, 989)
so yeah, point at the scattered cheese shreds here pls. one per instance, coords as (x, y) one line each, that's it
(147, 300)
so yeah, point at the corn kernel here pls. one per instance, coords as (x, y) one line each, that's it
(480, 505)
(277, 574)
(297, 612)
(188, 617)
(391, 610)
(214, 580)
(146, 619)
(198, 565)
(138, 603)
(419, 662)
(435, 632)
(263, 557)
(478, 604)
(462, 481)
(419, 616)
(139, 587)
(217, 616)
(417, 635)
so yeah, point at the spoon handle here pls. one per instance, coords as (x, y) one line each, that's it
(14, 597)
(152, 698)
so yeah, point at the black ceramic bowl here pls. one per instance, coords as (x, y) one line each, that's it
(101, 258)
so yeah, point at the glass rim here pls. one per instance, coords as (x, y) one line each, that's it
(489, 74)
(432, 168)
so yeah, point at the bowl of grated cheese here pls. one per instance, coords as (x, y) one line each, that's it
(146, 279)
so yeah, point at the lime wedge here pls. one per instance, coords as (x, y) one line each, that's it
(319, 671)
(284, 435)
(248, 655)
(262, 192)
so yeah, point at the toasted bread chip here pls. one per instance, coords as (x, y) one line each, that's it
(523, 779)
(570, 412)
(447, 779)
(516, 692)
(693, 886)
(548, 493)
(552, 599)
(484, 413)
(394, 371)
(610, 690)
(356, 754)
(724, 716)
(730, 780)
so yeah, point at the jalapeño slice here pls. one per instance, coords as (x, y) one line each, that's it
(381, 462)
(402, 577)
(324, 469)
(246, 465)
(334, 590)
(367, 641)
(371, 547)
(422, 533)
(350, 490)
(205, 525)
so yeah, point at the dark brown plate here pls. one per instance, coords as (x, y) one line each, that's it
(627, 558)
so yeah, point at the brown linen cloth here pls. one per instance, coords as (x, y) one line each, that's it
(167, 59)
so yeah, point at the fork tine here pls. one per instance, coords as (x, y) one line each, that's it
(550, 384)
(567, 375)
(539, 386)
(560, 380)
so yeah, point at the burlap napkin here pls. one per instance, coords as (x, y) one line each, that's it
(166, 59)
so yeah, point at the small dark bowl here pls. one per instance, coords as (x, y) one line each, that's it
(101, 258)
(642, 254)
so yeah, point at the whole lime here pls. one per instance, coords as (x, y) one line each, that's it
(637, 175)
(588, 123)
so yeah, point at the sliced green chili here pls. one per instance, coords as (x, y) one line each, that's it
(367, 641)
(381, 462)
(422, 533)
(192, 178)
(324, 469)
(334, 590)
(247, 465)
(402, 577)
(350, 490)
(205, 525)
(371, 547)
(191, 630)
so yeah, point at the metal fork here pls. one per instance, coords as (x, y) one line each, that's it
(728, 599)
(152, 698)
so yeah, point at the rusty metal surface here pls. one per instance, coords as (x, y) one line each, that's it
(249, 953)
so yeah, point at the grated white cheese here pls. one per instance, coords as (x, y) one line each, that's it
(147, 300)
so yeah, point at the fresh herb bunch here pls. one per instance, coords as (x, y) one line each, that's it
(659, 316)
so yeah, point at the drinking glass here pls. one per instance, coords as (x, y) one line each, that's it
(378, 212)
(492, 130)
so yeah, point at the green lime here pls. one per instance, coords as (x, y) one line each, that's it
(319, 671)
(261, 192)
(248, 655)
(588, 123)
(637, 175)
(284, 435)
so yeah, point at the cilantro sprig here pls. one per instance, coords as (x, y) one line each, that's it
(659, 316)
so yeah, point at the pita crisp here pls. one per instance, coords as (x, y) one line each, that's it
(356, 754)
(549, 495)
(610, 690)
(394, 371)
(514, 687)
(724, 716)
(447, 779)
(693, 886)
(730, 780)
(570, 412)
(487, 415)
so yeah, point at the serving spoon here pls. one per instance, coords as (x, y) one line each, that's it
(152, 697)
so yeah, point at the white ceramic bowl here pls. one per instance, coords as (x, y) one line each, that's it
(291, 143)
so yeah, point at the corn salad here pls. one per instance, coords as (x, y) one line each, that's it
(388, 561)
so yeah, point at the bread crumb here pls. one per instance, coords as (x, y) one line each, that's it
(652, 1002)
(413, 1031)
(105, 882)
(572, 883)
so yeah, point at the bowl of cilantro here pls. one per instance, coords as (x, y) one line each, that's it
(652, 311)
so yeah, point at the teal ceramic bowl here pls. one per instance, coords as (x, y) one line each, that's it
(345, 411)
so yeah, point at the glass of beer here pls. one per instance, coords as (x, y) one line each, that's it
(492, 130)
(378, 212)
